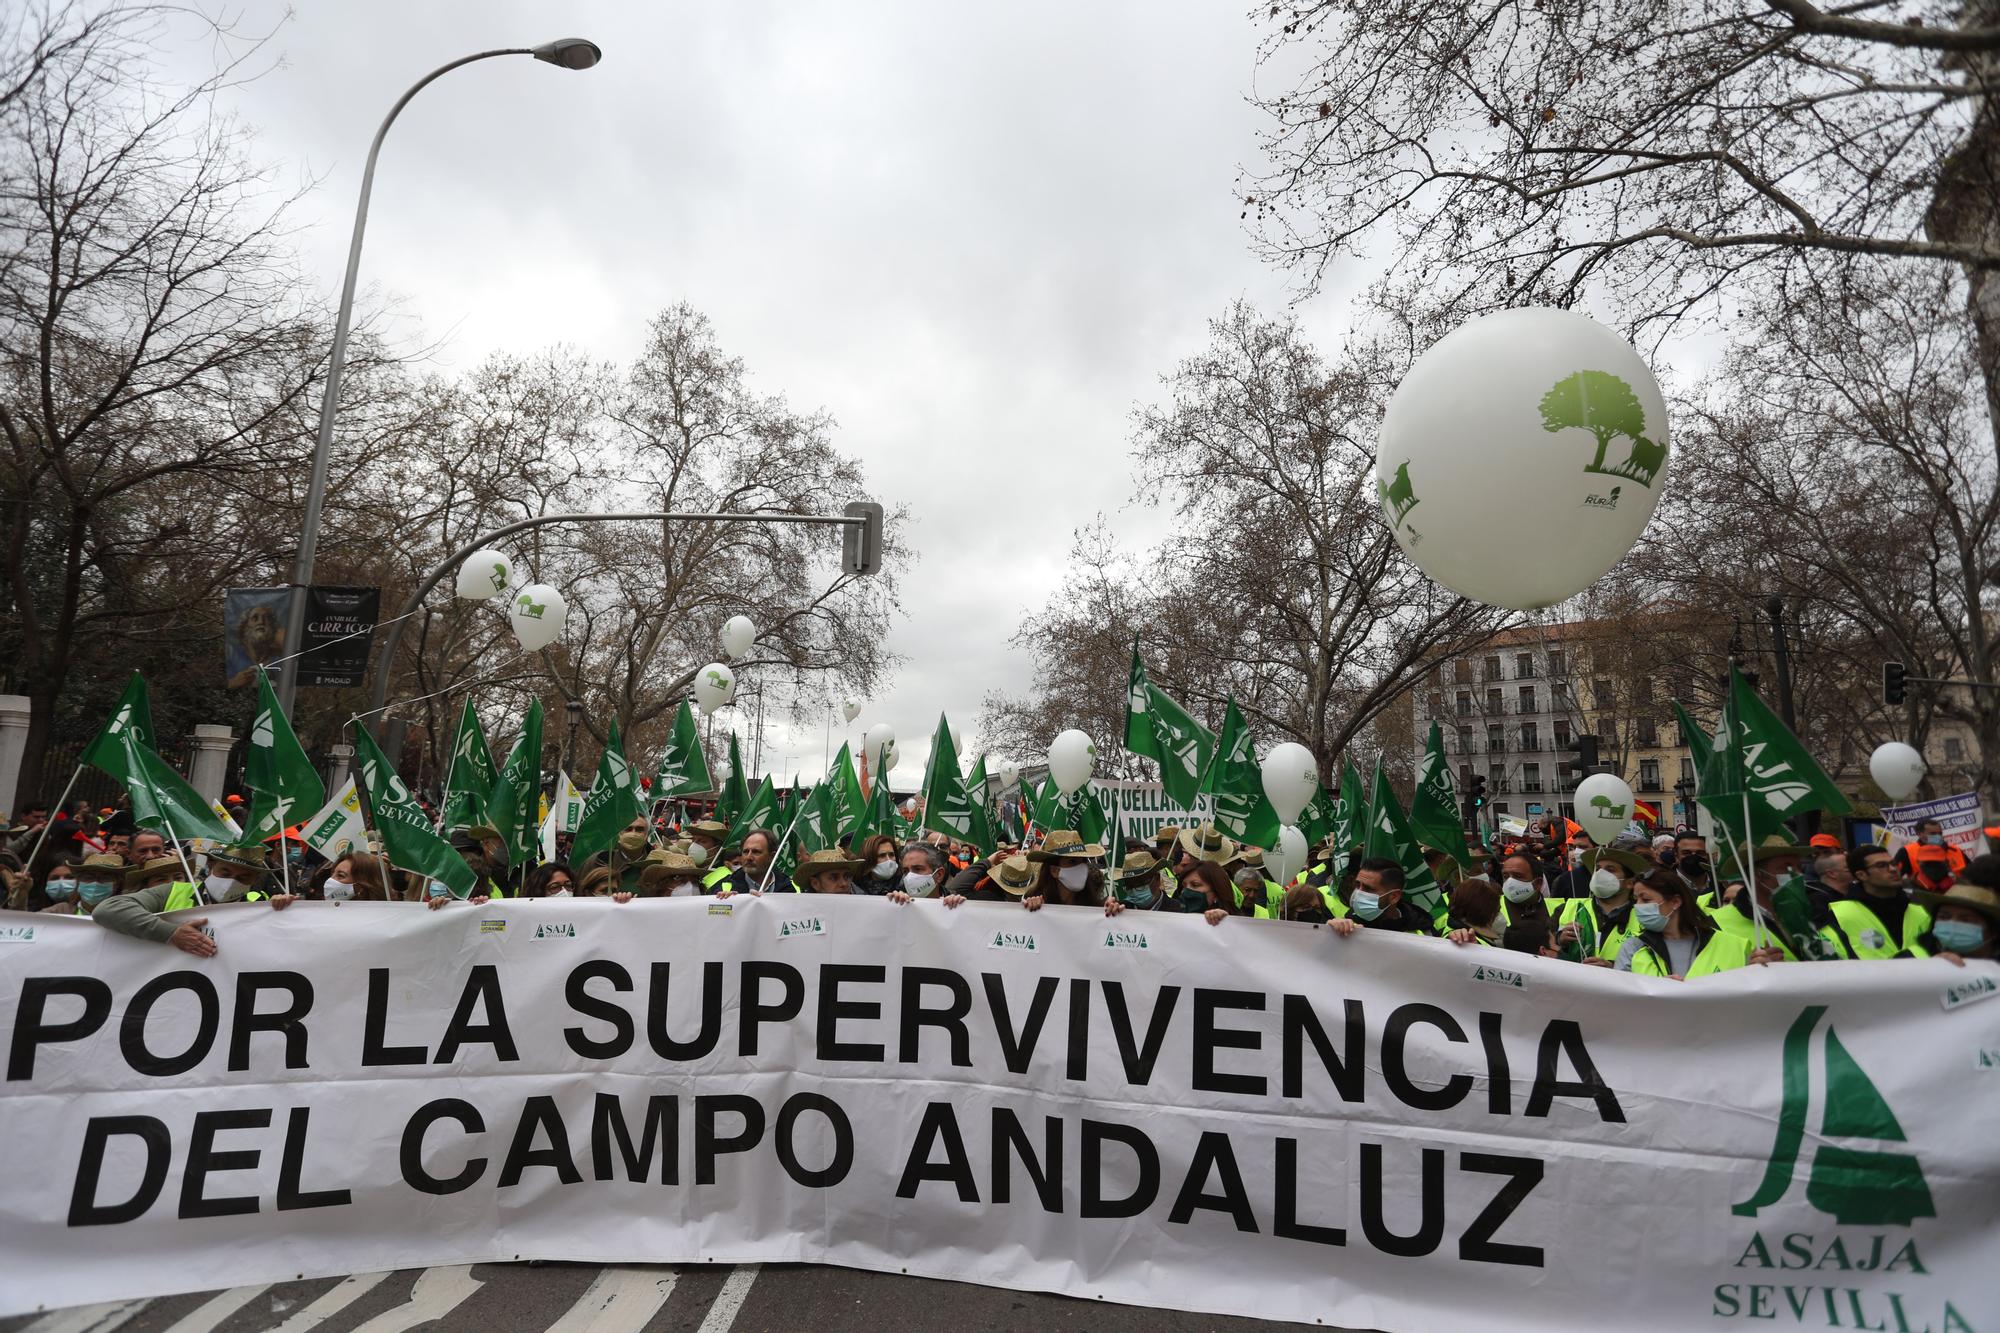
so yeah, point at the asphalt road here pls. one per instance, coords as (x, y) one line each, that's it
(575, 1298)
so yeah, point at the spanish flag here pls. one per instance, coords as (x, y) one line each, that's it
(1649, 815)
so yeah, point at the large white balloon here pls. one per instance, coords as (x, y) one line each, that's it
(879, 737)
(713, 685)
(1283, 863)
(851, 709)
(1603, 806)
(483, 574)
(1522, 456)
(889, 757)
(1071, 759)
(537, 614)
(1290, 779)
(737, 635)
(1010, 773)
(1897, 769)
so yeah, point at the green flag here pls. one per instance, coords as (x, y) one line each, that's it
(735, 793)
(819, 826)
(759, 812)
(1757, 765)
(407, 835)
(1237, 783)
(1084, 813)
(980, 834)
(1389, 835)
(1434, 814)
(162, 800)
(284, 785)
(1695, 736)
(134, 714)
(683, 765)
(848, 803)
(513, 806)
(948, 804)
(1163, 731)
(470, 775)
(1316, 820)
(613, 800)
(1045, 806)
(878, 815)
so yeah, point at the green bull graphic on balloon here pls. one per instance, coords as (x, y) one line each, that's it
(1398, 497)
(1601, 403)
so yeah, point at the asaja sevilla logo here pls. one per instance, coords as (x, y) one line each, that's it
(1855, 1176)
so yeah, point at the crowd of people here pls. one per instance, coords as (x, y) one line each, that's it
(1660, 907)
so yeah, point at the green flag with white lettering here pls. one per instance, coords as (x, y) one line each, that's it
(1434, 814)
(734, 797)
(285, 788)
(407, 836)
(513, 807)
(1389, 835)
(759, 812)
(162, 800)
(134, 714)
(848, 802)
(683, 763)
(1760, 769)
(949, 805)
(980, 834)
(470, 775)
(612, 802)
(1163, 731)
(1236, 781)
(878, 812)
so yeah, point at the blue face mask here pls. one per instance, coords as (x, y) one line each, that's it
(94, 894)
(1958, 936)
(60, 890)
(1651, 916)
(1365, 905)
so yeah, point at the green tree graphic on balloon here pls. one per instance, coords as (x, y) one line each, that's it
(1604, 405)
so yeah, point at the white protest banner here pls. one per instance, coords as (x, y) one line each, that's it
(1256, 1118)
(1141, 809)
(1959, 816)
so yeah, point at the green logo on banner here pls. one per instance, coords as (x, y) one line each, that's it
(1856, 1185)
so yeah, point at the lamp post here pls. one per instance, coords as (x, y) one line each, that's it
(575, 710)
(567, 53)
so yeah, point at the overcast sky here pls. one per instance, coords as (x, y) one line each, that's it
(974, 234)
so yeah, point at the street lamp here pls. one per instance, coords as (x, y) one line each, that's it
(566, 52)
(575, 710)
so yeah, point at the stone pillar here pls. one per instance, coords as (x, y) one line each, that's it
(13, 745)
(342, 755)
(210, 762)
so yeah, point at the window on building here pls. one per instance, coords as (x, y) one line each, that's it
(1954, 749)
(1493, 669)
(1607, 725)
(1530, 740)
(1649, 775)
(1531, 777)
(1528, 699)
(1464, 738)
(1561, 730)
(1496, 737)
(1461, 672)
(1495, 704)
(1649, 732)
(1558, 662)
(1465, 703)
(1601, 690)
(1687, 769)
(1524, 666)
(1496, 777)
(1642, 689)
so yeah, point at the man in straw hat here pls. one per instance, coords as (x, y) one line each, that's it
(826, 872)
(1007, 879)
(1777, 860)
(1141, 884)
(1601, 921)
(668, 874)
(1965, 918)
(705, 838)
(1071, 873)
(140, 912)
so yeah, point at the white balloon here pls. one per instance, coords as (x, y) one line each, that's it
(483, 574)
(1283, 863)
(1530, 411)
(1897, 769)
(879, 736)
(1604, 806)
(1071, 759)
(737, 635)
(713, 685)
(537, 614)
(851, 709)
(889, 757)
(1290, 779)
(1009, 775)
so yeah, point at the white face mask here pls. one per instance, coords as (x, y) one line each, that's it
(558, 893)
(1603, 883)
(1518, 890)
(337, 891)
(885, 870)
(1073, 878)
(697, 853)
(682, 890)
(918, 886)
(217, 885)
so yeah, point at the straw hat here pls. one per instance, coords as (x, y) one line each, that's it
(249, 858)
(139, 873)
(1014, 874)
(1066, 844)
(1206, 844)
(1246, 855)
(104, 864)
(713, 828)
(1167, 833)
(819, 863)
(1978, 897)
(661, 864)
(1633, 862)
(1138, 865)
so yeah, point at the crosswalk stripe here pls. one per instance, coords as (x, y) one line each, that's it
(332, 1302)
(205, 1317)
(728, 1302)
(437, 1293)
(618, 1300)
(87, 1318)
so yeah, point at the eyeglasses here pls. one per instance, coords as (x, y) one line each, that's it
(560, 884)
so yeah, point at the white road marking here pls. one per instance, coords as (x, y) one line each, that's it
(87, 1318)
(207, 1316)
(618, 1300)
(332, 1303)
(437, 1293)
(728, 1302)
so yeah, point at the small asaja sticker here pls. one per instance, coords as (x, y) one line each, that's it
(1970, 991)
(1499, 976)
(492, 925)
(17, 934)
(1126, 939)
(555, 930)
(1987, 1059)
(721, 909)
(803, 925)
(1013, 939)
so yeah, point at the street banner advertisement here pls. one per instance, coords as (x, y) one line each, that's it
(253, 633)
(340, 627)
(1258, 1119)
(1958, 815)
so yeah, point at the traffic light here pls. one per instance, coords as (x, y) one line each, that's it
(861, 545)
(1585, 763)
(1475, 792)
(1893, 689)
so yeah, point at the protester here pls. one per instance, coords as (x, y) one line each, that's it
(1876, 916)
(1827, 875)
(1671, 935)
(1141, 884)
(1008, 879)
(1736, 919)
(1475, 913)
(140, 911)
(827, 872)
(1692, 865)
(879, 864)
(1930, 846)
(1377, 903)
(1071, 874)
(1219, 899)
(670, 874)
(146, 845)
(1599, 922)
(551, 879)
(1965, 919)
(923, 870)
(59, 891)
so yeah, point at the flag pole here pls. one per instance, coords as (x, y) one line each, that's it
(54, 810)
(772, 864)
(174, 841)
(1750, 875)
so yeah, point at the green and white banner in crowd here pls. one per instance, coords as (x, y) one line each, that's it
(1261, 1119)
